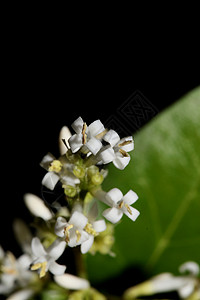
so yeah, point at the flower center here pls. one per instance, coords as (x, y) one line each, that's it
(66, 232)
(89, 229)
(55, 166)
(42, 266)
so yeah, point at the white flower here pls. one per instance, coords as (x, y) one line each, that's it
(93, 228)
(45, 259)
(60, 169)
(15, 272)
(72, 282)
(86, 136)
(120, 205)
(37, 207)
(186, 285)
(118, 150)
(73, 230)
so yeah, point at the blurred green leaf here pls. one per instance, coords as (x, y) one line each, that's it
(165, 172)
(54, 292)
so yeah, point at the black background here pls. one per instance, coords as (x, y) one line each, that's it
(50, 77)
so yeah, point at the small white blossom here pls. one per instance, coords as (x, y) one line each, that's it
(185, 285)
(45, 259)
(58, 170)
(117, 151)
(93, 228)
(73, 230)
(120, 205)
(72, 282)
(87, 136)
(15, 272)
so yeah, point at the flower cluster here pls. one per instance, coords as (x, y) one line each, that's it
(82, 221)
(80, 172)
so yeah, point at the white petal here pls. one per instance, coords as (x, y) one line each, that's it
(73, 239)
(78, 220)
(75, 142)
(112, 137)
(24, 261)
(114, 196)
(85, 246)
(191, 267)
(56, 249)
(167, 282)
(61, 223)
(37, 247)
(64, 134)
(94, 145)
(50, 180)
(84, 237)
(99, 225)
(77, 125)
(37, 207)
(120, 161)
(107, 155)
(95, 128)
(130, 197)
(187, 289)
(113, 214)
(71, 282)
(128, 147)
(21, 295)
(134, 213)
(47, 159)
(57, 269)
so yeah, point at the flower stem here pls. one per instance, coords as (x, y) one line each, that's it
(80, 263)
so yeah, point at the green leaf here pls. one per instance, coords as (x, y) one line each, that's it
(165, 172)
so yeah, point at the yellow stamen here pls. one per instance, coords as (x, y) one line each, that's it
(121, 204)
(101, 134)
(8, 270)
(125, 143)
(128, 209)
(36, 266)
(43, 269)
(89, 229)
(41, 266)
(66, 232)
(12, 268)
(55, 166)
(84, 134)
(123, 152)
(78, 236)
